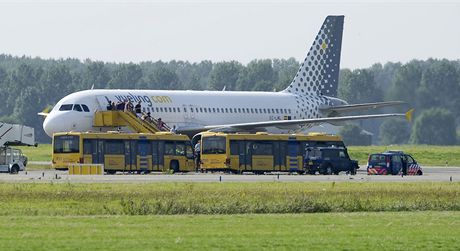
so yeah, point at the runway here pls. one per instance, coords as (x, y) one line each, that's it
(431, 174)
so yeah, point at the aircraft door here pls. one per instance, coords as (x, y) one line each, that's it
(191, 110)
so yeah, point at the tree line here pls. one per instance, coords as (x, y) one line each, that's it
(31, 84)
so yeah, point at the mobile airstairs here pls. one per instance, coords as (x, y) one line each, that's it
(127, 119)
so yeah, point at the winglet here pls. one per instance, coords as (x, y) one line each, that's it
(409, 114)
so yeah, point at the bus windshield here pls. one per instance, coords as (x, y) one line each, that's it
(213, 145)
(66, 144)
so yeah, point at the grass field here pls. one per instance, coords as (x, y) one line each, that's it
(223, 198)
(325, 231)
(230, 216)
(425, 155)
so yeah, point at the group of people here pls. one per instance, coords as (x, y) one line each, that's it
(128, 106)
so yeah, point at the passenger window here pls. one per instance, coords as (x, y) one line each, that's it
(273, 110)
(169, 148)
(174, 109)
(85, 108)
(252, 110)
(185, 109)
(191, 109)
(170, 110)
(189, 151)
(213, 109)
(77, 108)
(161, 109)
(276, 110)
(66, 107)
(230, 110)
(205, 109)
(256, 110)
(226, 110)
(201, 109)
(180, 149)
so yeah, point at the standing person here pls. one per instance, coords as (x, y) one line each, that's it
(198, 155)
(129, 107)
(148, 118)
(160, 124)
(109, 106)
(138, 109)
(173, 129)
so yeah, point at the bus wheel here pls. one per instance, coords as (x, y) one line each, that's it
(14, 169)
(174, 166)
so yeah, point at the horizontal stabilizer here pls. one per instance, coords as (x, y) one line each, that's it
(358, 107)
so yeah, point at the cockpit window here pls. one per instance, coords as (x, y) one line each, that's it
(65, 107)
(85, 108)
(77, 108)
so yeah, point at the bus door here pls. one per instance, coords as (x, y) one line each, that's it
(158, 155)
(293, 152)
(279, 155)
(97, 153)
(245, 155)
(130, 155)
(143, 148)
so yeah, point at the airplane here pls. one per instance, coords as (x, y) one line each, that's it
(307, 101)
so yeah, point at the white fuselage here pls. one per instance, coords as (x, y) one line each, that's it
(189, 109)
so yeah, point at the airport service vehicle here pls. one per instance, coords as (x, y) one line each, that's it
(329, 160)
(310, 99)
(392, 162)
(127, 152)
(259, 152)
(12, 160)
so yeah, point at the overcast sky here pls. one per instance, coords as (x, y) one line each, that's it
(134, 31)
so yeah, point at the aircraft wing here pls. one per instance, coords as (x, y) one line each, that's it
(297, 122)
(357, 107)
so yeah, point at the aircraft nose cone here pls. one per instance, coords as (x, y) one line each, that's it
(48, 126)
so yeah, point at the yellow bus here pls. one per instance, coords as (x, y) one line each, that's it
(260, 152)
(128, 152)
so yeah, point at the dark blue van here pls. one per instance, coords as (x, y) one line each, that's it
(329, 160)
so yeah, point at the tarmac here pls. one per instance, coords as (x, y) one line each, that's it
(430, 174)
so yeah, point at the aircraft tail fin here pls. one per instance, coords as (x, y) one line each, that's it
(319, 73)
(409, 115)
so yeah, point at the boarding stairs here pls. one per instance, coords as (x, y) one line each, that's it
(16, 135)
(127, 119)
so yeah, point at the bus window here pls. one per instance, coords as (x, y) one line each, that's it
(234, 147)
(180, 148)
(169, 148)
(189, 151)
(66, 144)
(213, 145)
(262, 148)
(114, 147)
(87, 149)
